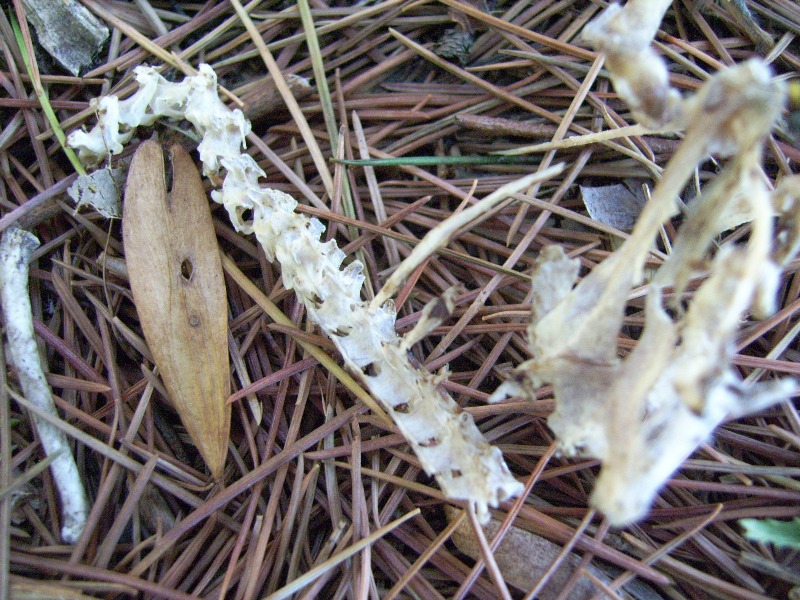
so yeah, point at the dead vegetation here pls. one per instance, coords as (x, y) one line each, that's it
(318, 497)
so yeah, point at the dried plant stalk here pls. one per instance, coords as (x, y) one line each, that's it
(445, 439)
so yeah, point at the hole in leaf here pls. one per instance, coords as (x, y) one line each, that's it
(168, 175)
(187, 270)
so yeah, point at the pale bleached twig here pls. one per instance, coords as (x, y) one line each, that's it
(16, 248)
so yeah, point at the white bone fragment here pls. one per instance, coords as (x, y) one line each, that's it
(640, 77)
(446, 440)
(644, 414)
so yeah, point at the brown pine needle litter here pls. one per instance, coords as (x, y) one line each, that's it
(321, 496)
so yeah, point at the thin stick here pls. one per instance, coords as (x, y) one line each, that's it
(440, 235)
(584, 140)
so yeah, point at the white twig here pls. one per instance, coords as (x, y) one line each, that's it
(16, 248)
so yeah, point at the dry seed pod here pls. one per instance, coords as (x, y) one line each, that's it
(176, 278)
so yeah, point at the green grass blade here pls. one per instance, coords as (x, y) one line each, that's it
(44, 100)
